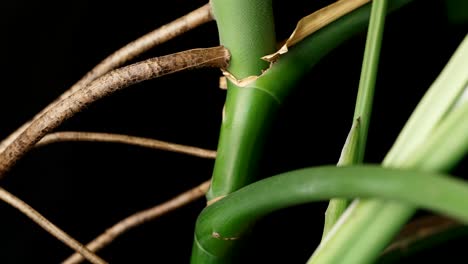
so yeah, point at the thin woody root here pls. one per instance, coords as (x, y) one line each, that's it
(106, 85)
(95, 85)
(133, 49)
(125, 139)
(49, 227)
(140, 218)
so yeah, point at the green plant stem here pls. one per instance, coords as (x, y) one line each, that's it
(249, 110)
(246, 28)
(364, 100)
(222, 225)
(348, 156)
(382, 219)
(369, 72)
(279, 80)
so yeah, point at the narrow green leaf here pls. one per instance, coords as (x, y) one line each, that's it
(435, 104)
(447, 143)
(363, 102)
(369, 71)
(444, 136)
(348, 153)
(348, 156)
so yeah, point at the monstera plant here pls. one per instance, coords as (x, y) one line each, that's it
(310, 166)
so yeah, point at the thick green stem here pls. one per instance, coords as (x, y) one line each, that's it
(281, 77)
(246, 28)
(222, 226)
(249, 110)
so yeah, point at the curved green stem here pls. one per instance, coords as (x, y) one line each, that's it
(246, 28)
(222, 225)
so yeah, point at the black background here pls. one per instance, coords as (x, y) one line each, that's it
(85, 187)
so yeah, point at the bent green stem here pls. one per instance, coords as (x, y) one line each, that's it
(221, 226)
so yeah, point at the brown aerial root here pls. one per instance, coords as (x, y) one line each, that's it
(104, 86)
(126, 53)
(49, 226)
(125, 139)
(140, 218)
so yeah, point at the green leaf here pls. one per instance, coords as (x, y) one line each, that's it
(433, 107)
(369, 72)
(437, 129)
(348, 156)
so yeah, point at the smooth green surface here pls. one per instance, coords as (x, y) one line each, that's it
(222, 225)
(441, 138)
(369, 72)
(246, 28)
(348, 156)
(246, 121)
